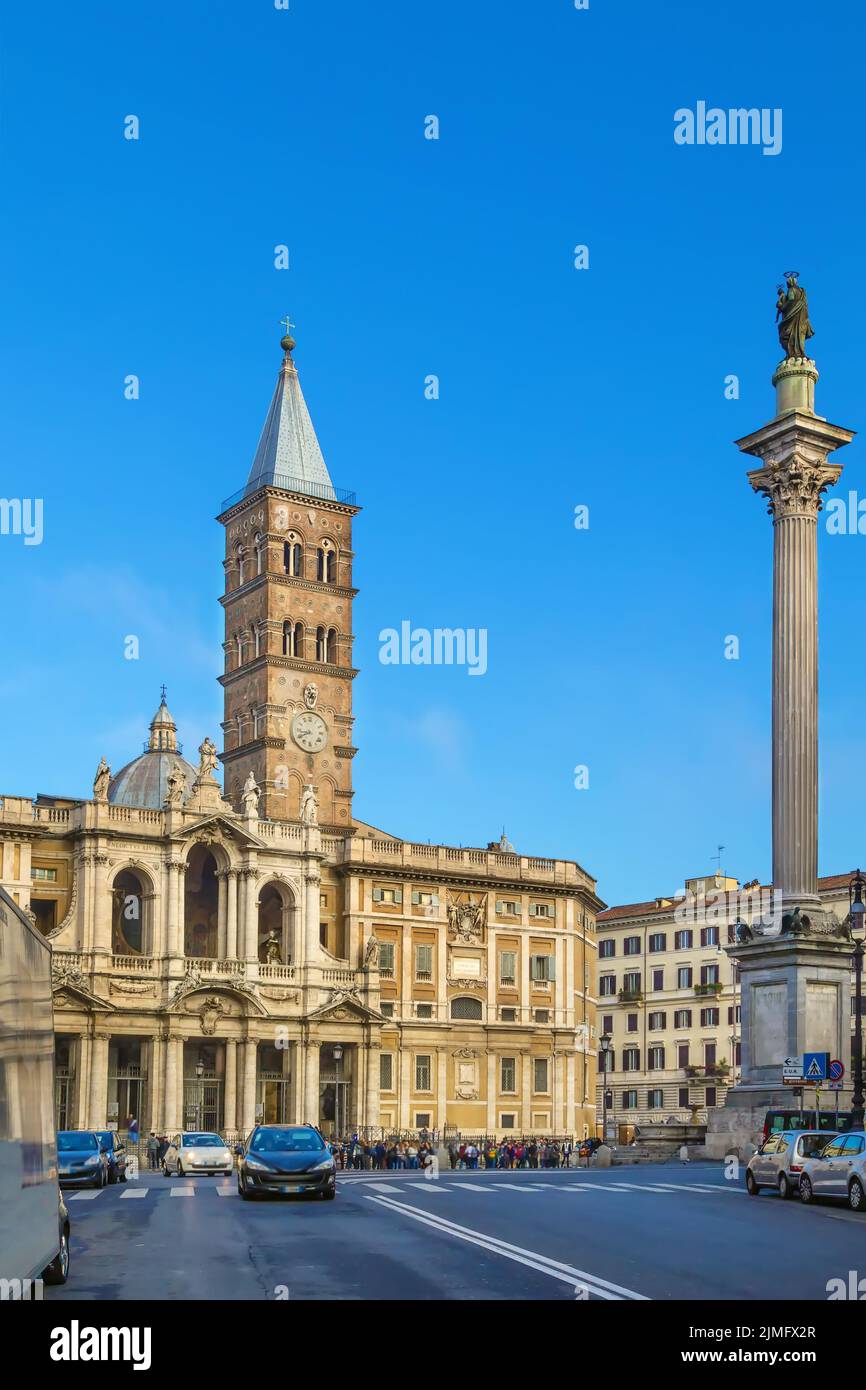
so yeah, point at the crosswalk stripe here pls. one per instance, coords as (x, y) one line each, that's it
(88, 1196)
(134, 1192)
(183, 1192)
(225, 1191)
(470, 1187)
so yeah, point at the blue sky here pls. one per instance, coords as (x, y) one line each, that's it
(557, 387)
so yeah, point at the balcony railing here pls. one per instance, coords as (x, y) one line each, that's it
(631, 996)
(304, 486)
(713, 987)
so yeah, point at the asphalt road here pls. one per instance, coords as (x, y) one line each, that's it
(631, 1233)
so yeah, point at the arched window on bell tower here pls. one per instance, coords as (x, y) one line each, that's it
(293, 554)
(331, 646)
(290, 638)
(257, 641)
(321, 643)
(260, 552)
(326, 562)
(241, 559)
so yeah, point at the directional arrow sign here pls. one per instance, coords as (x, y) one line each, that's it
(792, 1069)
(815, 1065)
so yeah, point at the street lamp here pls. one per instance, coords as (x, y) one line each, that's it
(338, 1118)
(858, 936)
(606, 1094)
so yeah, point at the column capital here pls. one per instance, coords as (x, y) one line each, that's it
(793, 487)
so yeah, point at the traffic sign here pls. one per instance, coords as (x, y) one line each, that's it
(837, 1070)
(792, 1069)
(834, 1085)
(815, 1065)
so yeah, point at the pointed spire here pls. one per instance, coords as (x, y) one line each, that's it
(288, 454)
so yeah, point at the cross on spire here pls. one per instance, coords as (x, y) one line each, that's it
(288, 325)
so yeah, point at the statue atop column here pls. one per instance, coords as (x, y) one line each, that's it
(176, 787)
(207, 759)
(792, 317)
(250, 796)
(101, 781)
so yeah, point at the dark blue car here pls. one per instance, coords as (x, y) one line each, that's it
(111, 1140)
(81, 1160)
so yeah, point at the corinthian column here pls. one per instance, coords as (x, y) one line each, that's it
(795, 472)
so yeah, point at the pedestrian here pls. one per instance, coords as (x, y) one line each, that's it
(152, 1151)
(163, 1148)
(131, 1129)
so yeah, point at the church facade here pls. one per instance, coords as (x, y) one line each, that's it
(249, 952)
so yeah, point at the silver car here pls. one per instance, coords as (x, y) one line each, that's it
(197, 1152)
(781, 1160)
(839, 1170)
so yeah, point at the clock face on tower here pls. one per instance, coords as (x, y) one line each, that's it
(309, 731)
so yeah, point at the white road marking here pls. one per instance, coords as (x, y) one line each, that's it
(566, 1274)
(134, 1192)
(225, 1191)
(182, 1191)
(89, 1196)
(470, 1187)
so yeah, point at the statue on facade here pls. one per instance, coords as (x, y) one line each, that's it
(311, 695)
(792, 316)
(371, 954)
(176, 787)
(250, 796)
(309, 806)
(101, 781)
(273, 951)
(207, 758)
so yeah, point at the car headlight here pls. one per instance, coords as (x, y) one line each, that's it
(257, 1163)
(94, 1158)
(325, 1163)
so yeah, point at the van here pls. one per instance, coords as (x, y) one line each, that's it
(775, 1121)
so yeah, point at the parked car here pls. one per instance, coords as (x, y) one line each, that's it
(81, 1160)
(775, 1121)
(197, 1152)
(286, 1159)
(839, 1170)
(780, 1160)
(112, 1141)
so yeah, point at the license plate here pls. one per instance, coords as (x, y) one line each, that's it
(293, 1188)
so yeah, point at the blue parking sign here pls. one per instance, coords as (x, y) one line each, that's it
(815, 1066)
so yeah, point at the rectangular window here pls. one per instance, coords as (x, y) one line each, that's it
(709, 936)
(386, 960)
(631, 946)
(607, 986)
(655, 1099)
(542, 968)
(539, 1075)
(684, 977)
(682, 940)
(508, 1121)
(386, 1072)
(387, 895)
(387, 1009)
(541, 909)
(631, 1023)
(44, 875)
(684, 1097)
(656, 1059)
(422, 1072)
(423, 1010)
(323, 934)
(658, 941)
(508, 1015)
(508, 908)
(709, 1018)
(424, 963)
(631, 1059)
(607, 948)
(710, 1054)
(683, 1018)
(421, 898)
(631, 981)
(711, 1096)
(629, 1100)
(682, 1054)
(607, 1023)
(323, 900)
(659, 978)
(422, 1121)
(657, 1020)
(709, 974)
(508, 1075)
(542, 1015)
(507, 967)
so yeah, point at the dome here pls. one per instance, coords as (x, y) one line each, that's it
(144, 781)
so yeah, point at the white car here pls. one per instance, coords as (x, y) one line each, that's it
(197, 1152)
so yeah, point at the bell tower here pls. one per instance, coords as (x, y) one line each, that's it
(288, 621)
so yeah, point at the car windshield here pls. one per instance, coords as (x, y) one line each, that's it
(69, 1141)
(285, 1141)
(202, 1141)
